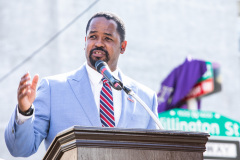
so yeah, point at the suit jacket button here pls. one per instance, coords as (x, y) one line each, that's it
(12, 130)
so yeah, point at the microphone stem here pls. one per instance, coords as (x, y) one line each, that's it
(130, 92)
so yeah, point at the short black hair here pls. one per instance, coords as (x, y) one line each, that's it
(110, 16)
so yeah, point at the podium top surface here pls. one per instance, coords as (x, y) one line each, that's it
(95, 137)
(132, 131)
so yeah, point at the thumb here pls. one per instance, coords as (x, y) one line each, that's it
(35, 81)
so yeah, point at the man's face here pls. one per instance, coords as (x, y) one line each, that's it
(102, 42)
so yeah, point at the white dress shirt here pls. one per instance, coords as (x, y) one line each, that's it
(96, 85)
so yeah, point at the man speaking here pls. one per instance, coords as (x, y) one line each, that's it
(82, 97)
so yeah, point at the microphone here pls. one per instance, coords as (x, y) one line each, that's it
(103, 68)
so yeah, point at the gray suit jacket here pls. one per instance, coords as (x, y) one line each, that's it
(66, 100)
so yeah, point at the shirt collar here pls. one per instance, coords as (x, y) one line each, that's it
(95, 77)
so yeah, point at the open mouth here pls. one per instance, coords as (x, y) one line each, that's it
(98, 53)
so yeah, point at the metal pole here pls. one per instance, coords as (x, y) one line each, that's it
(146, 108)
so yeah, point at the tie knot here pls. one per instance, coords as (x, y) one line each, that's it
(104, 80)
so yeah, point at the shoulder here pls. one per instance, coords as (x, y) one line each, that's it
(75, 74)
(135, 85)
(61, 79)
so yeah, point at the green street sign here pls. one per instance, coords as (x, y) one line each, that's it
(202, 121)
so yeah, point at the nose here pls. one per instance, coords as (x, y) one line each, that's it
(99, 43)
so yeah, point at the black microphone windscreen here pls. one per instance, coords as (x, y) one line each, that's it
(99, 64)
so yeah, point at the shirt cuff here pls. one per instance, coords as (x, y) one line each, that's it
(20, 119)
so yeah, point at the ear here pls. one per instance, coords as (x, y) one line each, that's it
(123, 47)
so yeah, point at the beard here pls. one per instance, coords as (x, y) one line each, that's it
(93, 61)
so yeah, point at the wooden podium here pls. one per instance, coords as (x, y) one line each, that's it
(89, 143)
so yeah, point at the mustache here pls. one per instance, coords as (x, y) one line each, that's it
(100, 49)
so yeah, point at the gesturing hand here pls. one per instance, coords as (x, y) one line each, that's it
(27, 91)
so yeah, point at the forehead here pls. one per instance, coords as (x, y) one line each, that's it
(101, 24)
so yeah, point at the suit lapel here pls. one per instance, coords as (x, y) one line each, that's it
(82, 89)
(128, 103)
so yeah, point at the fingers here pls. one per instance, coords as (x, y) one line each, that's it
(23, 88)
(24, 79)
(25, 84)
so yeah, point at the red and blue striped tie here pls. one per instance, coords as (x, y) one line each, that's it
(106, 105)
